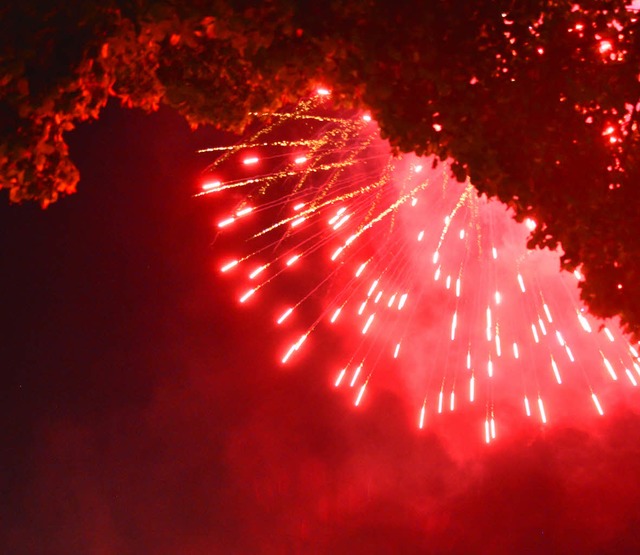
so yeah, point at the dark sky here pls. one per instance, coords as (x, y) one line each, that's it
(143, 413)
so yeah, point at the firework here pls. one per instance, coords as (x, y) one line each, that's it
(431, 284)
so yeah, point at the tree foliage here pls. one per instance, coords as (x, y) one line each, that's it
(536, 101)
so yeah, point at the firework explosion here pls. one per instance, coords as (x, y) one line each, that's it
(431, 284)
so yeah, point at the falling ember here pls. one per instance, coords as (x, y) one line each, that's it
(244, 211)
(360, 394)
(543, 329)
(453, 325)
(230, 265)
(372, 288)
(257, 272)
(609, 368)
(556, 372)
(291, 350)
(284, 315)
(373, 230)
(569, 353)
(534, 331)
(543, 414)
(392, 299)
(597, 404)
(335, 315)
(368, 324)
(247, 295)
(296, 346)
(355, 376)
(211, 186)
(225, 223)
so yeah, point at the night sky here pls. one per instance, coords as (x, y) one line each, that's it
(143, 412)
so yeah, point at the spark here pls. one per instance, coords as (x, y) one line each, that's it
(543, 414)
(293, 259)
(244, 211)
(368, 324)
(472, 388)
(360, 394)
(335, 315)
(211, 186)
(247, 295)
(230, 265)
(556, 371)
(596, 402)
(257, 271)
(355, 375)
(361, 269)
(226, 222)
(284, 315)
(609, 368)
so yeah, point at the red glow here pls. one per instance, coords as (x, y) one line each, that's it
(466, 300)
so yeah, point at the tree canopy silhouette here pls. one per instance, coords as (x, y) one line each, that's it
(537, 101)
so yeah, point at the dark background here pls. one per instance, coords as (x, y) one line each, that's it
(143, 412)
